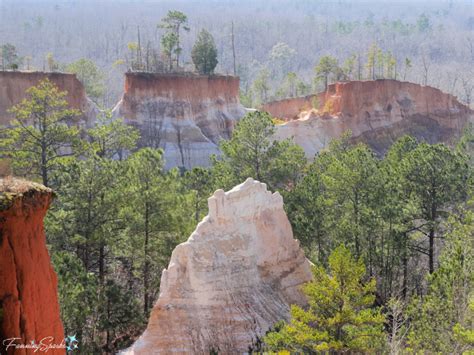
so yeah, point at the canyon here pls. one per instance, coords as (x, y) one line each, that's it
(376, 112)
(29, 309)
(13, 86)
(241, 269)
(231, 281)
(185, 114)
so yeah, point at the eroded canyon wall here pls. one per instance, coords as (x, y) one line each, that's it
(377, 112)
(13, 86)
(185, 114)
(290, 109)
(231, 281)
(29, 309)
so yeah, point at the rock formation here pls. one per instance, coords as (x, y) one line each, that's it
(13, 86)
(377, 112)
(29, 309)
(292, 108)
(184, 114)
(231, 281)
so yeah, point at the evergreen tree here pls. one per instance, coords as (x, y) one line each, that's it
(292, 86)
(350, 180)
(252, 152)
(85, 218)
(435, 177)
(10, 58)
(168, 44)
(119, 321)
(327, 65)
(156, 215)
(372, 61)
(111, 138)
(423, 23)
(340, 317)
(90, 76)
(442, 320)
(204, 53)
(173, 23)
(309, 228)
(261, 87)
(41, 138)
(199, 181)
(77, 291)
(397, 208)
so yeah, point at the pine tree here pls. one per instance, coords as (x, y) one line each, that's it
(340, 317)
(327, 65)
(443, 319)
(155, 212)
(111, 137)
(90, 76)
(251, 152)
(41, 138)
(435, 177)
(199, 181)
(173, 23)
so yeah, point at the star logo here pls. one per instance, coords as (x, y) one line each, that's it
(71, 343)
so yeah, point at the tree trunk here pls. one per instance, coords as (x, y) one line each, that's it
(177, 47)
(107, 338)
(101, 263)
(44, 169)
(431, 250)
(146, 265)
(196, 216)
(431, 235)
(359, 71)
(405, 267)
(233, 49)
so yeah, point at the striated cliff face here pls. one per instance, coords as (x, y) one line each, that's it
(14, 84)
(290, 109)
(186, 115)
(377, 112)
(29, 309)
(231, 281)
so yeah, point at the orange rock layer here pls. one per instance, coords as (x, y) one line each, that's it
(13, 86)
(188, 87)
(185, 114)
(29, 309)
(377, 112)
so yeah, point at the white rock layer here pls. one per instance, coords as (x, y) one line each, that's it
(376, 112)
(231, 281)
(185, 115)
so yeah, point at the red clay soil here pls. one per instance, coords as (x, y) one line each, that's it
(197, 91)
(353, 98)
(13, 85)
(29, 309)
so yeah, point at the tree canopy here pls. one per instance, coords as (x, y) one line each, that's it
(340, 315)
(204, 53)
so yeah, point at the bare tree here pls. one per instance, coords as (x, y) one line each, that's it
(426, 68)
(399, 326)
